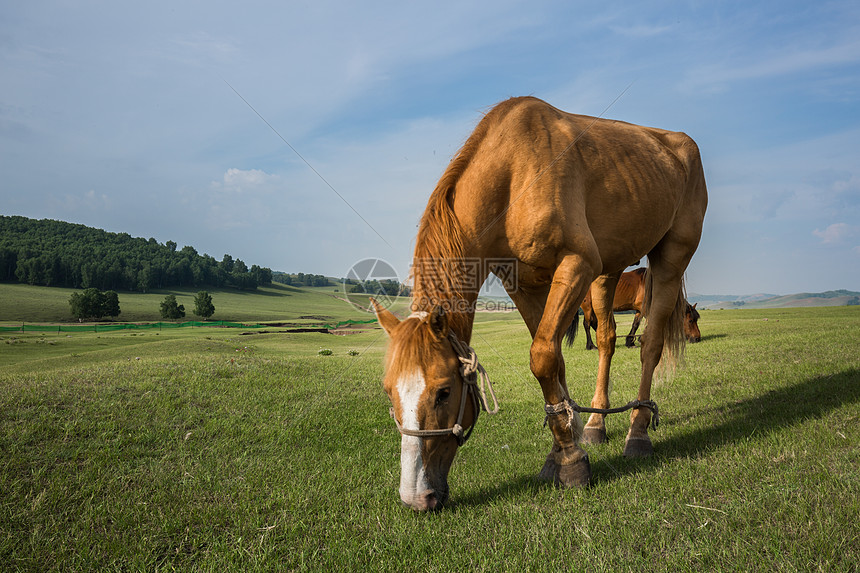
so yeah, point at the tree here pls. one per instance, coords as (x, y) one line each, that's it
(171, 310)
(110, 303)
(86, 304)
(227, 264)
(92, 303)
(203, 306)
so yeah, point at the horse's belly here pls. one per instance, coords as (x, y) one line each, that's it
(529, 276)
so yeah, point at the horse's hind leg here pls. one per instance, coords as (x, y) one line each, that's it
(588, 321)
(665, 325)
(630, 342)
(602, 295)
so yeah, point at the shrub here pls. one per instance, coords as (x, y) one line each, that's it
(170, 309)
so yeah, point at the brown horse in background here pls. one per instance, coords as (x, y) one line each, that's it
(630, 295)
(569, 202)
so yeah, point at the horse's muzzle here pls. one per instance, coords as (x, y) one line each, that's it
(428, 500)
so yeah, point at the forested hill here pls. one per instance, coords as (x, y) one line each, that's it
(55, 253)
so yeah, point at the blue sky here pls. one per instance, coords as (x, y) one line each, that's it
(120, 116)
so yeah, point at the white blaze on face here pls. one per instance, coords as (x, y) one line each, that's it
(413, 481)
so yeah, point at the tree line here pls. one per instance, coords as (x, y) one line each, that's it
(386, 286)
(301, 279)
(55, 253)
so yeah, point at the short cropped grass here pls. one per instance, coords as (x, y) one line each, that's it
(275, 302)
(222, 451)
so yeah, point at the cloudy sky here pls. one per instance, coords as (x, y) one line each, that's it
(137, 117)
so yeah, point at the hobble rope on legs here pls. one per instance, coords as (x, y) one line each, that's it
(570, 407)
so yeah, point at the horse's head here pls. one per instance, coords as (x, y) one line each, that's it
(691, 324)
(429, 403)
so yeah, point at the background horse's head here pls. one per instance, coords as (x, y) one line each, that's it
(424, 383)
(691, 324)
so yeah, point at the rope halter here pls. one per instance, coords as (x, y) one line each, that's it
(475, 378)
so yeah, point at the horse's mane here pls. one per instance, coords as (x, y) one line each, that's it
(439, 246)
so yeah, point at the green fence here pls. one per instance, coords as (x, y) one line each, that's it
(161, 325)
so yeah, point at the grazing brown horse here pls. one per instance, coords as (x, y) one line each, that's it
(569, 201)
(630, 295)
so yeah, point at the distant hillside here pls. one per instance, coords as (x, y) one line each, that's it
(55, 253)
(828, 298)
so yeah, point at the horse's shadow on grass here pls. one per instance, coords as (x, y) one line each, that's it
(707, 337)
(774, 410)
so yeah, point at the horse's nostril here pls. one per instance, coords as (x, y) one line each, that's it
(430, 500)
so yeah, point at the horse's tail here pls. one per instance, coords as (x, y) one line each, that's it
(674, 341)
(570, 333)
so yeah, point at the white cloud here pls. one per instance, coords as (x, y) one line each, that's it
(836, 233)
(848, 185)
(246, 181)
(242, 199)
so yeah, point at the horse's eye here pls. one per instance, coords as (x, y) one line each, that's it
(442, 396)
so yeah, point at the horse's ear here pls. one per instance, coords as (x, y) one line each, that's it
(387, 320)
(438, 321)
(694, 305)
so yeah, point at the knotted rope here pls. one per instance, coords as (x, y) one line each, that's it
(570, 407)
(473, 373)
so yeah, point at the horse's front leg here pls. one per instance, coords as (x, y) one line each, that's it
(602, 295)
(567, 463)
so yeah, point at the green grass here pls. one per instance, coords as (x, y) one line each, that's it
(276, 302)
(217, 451)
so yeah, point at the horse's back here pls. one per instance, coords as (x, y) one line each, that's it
(540, 181)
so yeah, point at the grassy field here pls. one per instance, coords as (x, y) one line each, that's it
(226, 450)
(276, 302)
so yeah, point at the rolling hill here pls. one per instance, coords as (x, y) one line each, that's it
(829, 298)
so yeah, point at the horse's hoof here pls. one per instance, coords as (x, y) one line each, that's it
(550, 469)
(574, 474)
(577, 474)
(630, 344)
(638, 447)
(593, 435)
